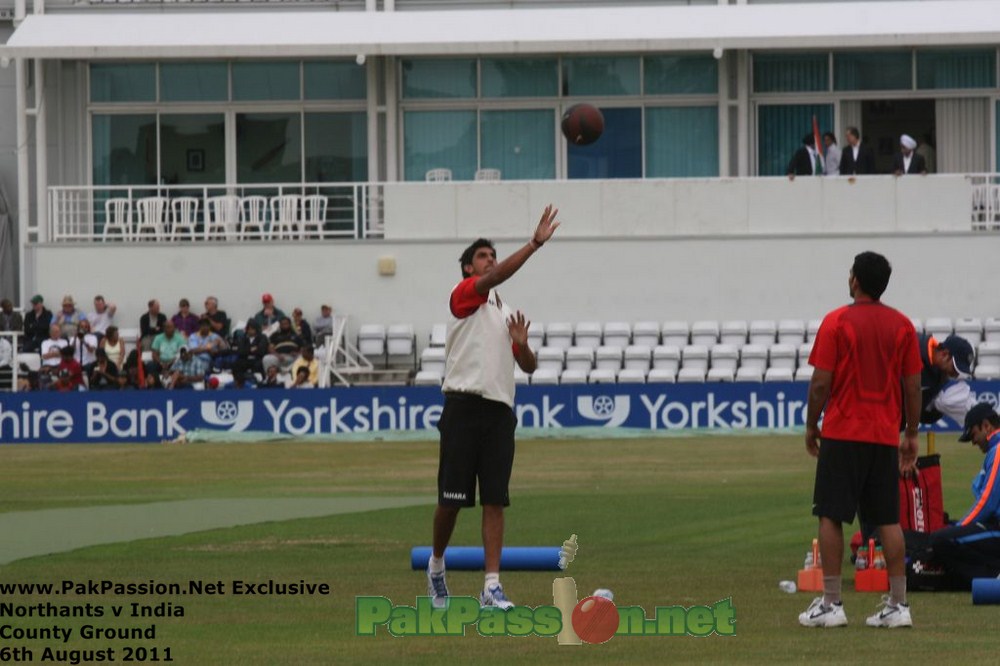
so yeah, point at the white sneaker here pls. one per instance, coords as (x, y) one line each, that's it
(495, 597)
(891, 616)
(437, 588)
(820, 615)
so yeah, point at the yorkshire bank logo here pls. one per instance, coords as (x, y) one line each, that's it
(612, 411)
(234, 416)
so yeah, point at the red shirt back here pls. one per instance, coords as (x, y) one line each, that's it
(869, 347)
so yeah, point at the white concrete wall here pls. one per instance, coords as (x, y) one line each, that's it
(731, 277)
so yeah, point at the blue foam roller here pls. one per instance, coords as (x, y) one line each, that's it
(985, 591)
(471, 558)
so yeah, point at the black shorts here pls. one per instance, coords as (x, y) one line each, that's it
(857, 477)
(477, 442)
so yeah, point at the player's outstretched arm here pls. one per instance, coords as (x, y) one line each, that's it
(517, 325)
(547, 225)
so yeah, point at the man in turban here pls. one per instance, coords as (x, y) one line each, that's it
(907, 160)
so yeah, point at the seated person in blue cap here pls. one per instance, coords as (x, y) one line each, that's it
(943, 391)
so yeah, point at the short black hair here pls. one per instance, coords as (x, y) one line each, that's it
(830, 136)
(872, 272)
(808, 139)
(853, 131)
(470, 252)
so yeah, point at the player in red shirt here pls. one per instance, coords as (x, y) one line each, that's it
(865, 356)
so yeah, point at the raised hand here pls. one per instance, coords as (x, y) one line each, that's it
(547, 225)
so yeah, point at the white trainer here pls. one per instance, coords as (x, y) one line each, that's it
(821, 615)
(891, 615)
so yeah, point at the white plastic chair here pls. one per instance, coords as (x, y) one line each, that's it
(438, 175)
(118, 218)
(439, 335)
(314, 214)
(152, 215)
(222, 217)
(486, 175)
(185, 214)
(285, 216)
(432, 359)
(254, 216)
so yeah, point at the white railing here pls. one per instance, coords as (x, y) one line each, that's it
(10, 363)
(985, 201)
(132, 213)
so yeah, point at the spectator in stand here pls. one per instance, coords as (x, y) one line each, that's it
(151, 324)
(285, 346)
(926, 150)
(166, 347)
(907, 161)
(68, 318)
(323, 325)
(69, 372)
(185, 320)
(308, 362)
(52, 347)
(113, 346)
(251, 349)
(6, 362)
(220, 322)
(858, 159)
(831, 165)
(10, 320)
(36, 324)
(239, 382)
(187, 371)
(205, 343)
(103, 376)
(301, 378)
(271, 379)
(301, 326)
(102, 316)
(128, 374)
(85, 345)
(269, 314)
(805, 161)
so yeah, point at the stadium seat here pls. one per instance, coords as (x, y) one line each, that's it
(970, 328)
(432, 359)
(939, 327)
(661, 376)
(401, 341)
(521, 377)
(812, 327)
(754, 356)
(618, 334)
(691, 376)
(574, 376)
(783, 356)
(705, 333)
(988, 354)
(733, 332)
(721, 374)
(536, 336)
(675, 333)
(991, 329)
(439, 335)
(580, 358)
(638, 357)
(559, 335)
(791, 331)
(779, 375)
(917, 325)
(750, 375)
(987, 372)
(804, 373)
(545, 376)
(632, 376)
(695, 357)
(804, 350)
(608, 358)
(763, 332)
(551, 358)
(725, 356)
(667, 357)
(427, 378)
(30, 359)
(603, 376)
(371, 341)
(130, 336)
(648, 333)
(587, 334)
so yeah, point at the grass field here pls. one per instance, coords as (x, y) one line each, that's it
(675, 521)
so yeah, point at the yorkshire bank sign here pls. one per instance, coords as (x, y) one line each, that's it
(154, 416)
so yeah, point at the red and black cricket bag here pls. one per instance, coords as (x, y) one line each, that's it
(921, 502)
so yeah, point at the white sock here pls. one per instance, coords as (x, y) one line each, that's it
(491, 580)
(435, 564)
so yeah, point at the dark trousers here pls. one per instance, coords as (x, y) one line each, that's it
(964, 552)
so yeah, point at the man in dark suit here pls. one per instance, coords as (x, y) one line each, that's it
(907, 160)
(803, 162)
(856, 159)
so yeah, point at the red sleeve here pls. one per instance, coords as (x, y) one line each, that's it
(465, 300)
(912, 363)
(824, 352)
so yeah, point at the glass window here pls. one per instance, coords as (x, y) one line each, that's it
(780, 130)
(194, 82)
(124, 149)
(268, 148)
(791, 72)
(680, 75)
(263, 81)
(682, 142)
(519, 143)
(617, 154)
(519, 77)
(440, 139)
(335, 80)
(873, 71)
(601, 76)
(193, 148)
(336, 147)
(121, 82)
(429, 79)
(956, 69)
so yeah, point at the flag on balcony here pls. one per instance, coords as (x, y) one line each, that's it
(818, 147)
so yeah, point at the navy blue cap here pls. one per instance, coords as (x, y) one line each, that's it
(980, 412)
(961, 353)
